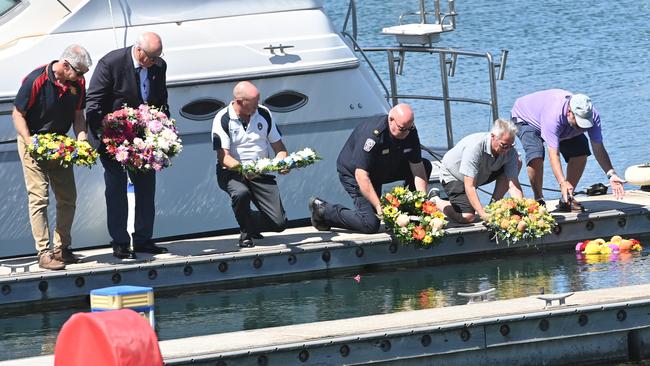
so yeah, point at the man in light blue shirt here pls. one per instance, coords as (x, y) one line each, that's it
(559, 118)
(479, 159)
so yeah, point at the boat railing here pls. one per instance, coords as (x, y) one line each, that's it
(440, 18)
(448, 58)
(363, 54)
(351, 16)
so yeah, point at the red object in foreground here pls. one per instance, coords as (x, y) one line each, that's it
(108, 338)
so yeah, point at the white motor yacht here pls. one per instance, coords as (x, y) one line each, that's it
(307, 74)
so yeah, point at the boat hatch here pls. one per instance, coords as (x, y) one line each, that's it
(201, 109)
(286, 101)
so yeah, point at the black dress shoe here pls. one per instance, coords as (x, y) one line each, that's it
(246, 243)
(149, 248)
(122, 251)
(257, 236)
(317, 209)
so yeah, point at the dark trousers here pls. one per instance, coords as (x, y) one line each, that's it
(263, 192)
(364, 217)
(117, 208)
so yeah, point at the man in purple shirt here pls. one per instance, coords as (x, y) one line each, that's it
(560, 118)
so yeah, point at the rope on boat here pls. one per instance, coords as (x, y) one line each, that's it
(110, 10)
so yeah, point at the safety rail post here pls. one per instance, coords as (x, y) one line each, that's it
(445, 98)
(352, 12)
(493, 88)
(393, 82)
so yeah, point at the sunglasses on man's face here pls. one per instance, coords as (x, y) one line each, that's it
(154, 59)
(505, 146)
(79, 73)
(403, 129)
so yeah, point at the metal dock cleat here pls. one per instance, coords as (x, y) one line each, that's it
(479, 296)
(552, 297)
(15, 266)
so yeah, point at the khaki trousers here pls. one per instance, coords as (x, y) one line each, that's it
(39, 175)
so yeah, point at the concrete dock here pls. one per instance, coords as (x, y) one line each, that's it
(217, 261)
(608, 325)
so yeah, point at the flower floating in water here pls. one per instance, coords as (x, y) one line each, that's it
(615, 245)
(412, 219)
(357, 278)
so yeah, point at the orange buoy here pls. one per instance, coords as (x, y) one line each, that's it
(110, 338)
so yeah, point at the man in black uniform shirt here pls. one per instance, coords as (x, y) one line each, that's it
(381, 150)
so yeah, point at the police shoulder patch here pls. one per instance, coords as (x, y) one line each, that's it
(370, 143)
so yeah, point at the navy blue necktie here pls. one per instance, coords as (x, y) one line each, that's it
(144, 83)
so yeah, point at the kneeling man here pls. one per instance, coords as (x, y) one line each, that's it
(381, 150)
(476, 160)
(242, 132)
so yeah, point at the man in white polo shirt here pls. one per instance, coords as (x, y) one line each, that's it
(242, 132)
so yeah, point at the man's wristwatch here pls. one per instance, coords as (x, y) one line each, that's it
(610, 173)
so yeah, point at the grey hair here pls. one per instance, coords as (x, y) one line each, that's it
(77, 56)
(502, 126)
(145, 39)
(141, 41)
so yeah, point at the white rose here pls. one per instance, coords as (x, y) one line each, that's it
(138, 143)
(402, 220)
(437, 223)
(263, 163)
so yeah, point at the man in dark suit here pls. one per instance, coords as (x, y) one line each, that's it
(133, 75)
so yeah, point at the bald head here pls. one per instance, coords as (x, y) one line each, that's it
(400, 120)
(246, 99)
(148, 49)
(151, 43)
(245, 90)
(402, 113)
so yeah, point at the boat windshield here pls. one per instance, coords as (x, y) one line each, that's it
(6, 5)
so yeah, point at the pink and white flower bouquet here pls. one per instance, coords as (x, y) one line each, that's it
(141, 139)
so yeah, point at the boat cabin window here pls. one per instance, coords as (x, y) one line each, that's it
(286, 101)
(202, 109)
(6, 7)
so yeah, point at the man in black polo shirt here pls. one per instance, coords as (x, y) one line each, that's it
(50, 100)
(382, 150)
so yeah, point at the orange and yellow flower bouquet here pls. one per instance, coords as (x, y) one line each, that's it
(411, 218)
(514, 219)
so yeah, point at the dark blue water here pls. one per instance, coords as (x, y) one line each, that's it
(598, 48)
(399, 289)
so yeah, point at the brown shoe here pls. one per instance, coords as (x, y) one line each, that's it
(65, 255)
(571, 206)
(47, 261)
